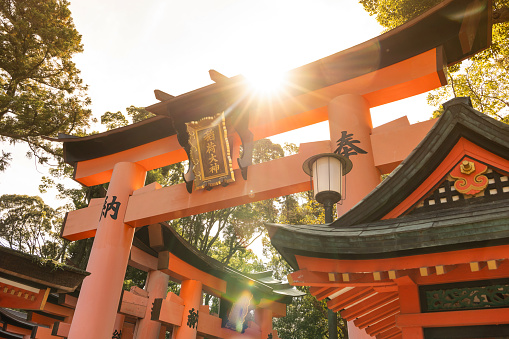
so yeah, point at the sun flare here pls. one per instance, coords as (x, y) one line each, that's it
(266, 82)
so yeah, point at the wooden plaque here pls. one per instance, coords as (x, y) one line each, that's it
(210, 151)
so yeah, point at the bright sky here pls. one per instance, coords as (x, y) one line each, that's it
(133, 47)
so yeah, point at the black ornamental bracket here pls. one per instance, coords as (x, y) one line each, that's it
(237, 119)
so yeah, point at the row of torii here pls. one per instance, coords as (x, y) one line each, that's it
(340, 88)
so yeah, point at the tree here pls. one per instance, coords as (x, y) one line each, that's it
(27, 224)
(41, 93)
(306, 317)
(484, 77)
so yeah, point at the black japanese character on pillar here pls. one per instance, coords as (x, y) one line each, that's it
(117, 335)
(346, 145)
(269, 336)
(192, 318)
(113, 206)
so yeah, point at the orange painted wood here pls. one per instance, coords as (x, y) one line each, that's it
(386, 289)
(324, 294)
(266, 180)
(393, 333)
(209, 325)
(381, 326)
(168, 311)
(263, 317)
(142, 260)
(463, 273)
(61, 329)
(132, 304)
(128, 330)
(314, 291)
(367, 305)
(58, 310)
(14, 329)
(179, 269)
(41, 319)
(350, 112)
(82, 223)
(409, 77)
(409, 300)
(139, 291)
(278, 309)
(350, 297)
(403, 263)
(191, 293)
(249, 333)
(392, 145)
(321, 279)
(462, 148)
(7, 299)
(43, 333)
(101, 290)
(412, 333)
(152, 155)
(378, 314)
(454, 318)
(67, 300)
(156, 286)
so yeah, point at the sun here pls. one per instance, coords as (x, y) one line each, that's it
(266, 82)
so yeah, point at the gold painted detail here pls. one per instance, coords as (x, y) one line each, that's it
(210, 152)
(469, 178)
(467, 167)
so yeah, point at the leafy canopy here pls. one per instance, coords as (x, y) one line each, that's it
(41, 93)
(29, 225)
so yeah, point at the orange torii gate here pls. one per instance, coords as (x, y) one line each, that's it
(339, 88)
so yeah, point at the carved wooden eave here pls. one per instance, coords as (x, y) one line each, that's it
(392, 221)
(33, 271)
(441, 217)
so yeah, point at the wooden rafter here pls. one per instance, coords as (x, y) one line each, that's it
(366, 306)
(376, 315)
(392, 333)
(382, 326)
(350, 297)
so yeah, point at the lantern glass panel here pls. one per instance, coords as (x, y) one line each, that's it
(327, 173)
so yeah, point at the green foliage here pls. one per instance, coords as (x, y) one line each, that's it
(118, 119)
(393, 13)
(134, 277)
(29, 225)
(306, 317)
(41, 93)
(484, 77)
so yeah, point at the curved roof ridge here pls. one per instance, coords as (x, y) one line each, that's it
(458, 120)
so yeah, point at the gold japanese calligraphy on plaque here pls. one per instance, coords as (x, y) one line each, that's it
(210, 152)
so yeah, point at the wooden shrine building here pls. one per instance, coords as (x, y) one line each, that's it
(48, 293)
(426, 253)
(227, 116)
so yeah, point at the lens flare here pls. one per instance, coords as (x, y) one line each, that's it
(266, 82)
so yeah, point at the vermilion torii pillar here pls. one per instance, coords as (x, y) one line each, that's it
(156, 286)
(191, 292)
(350, 130)
(98, 302)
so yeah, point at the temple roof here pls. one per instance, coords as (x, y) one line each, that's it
(369, 230)
(262, 284)
(34, 271)
(445, 230)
